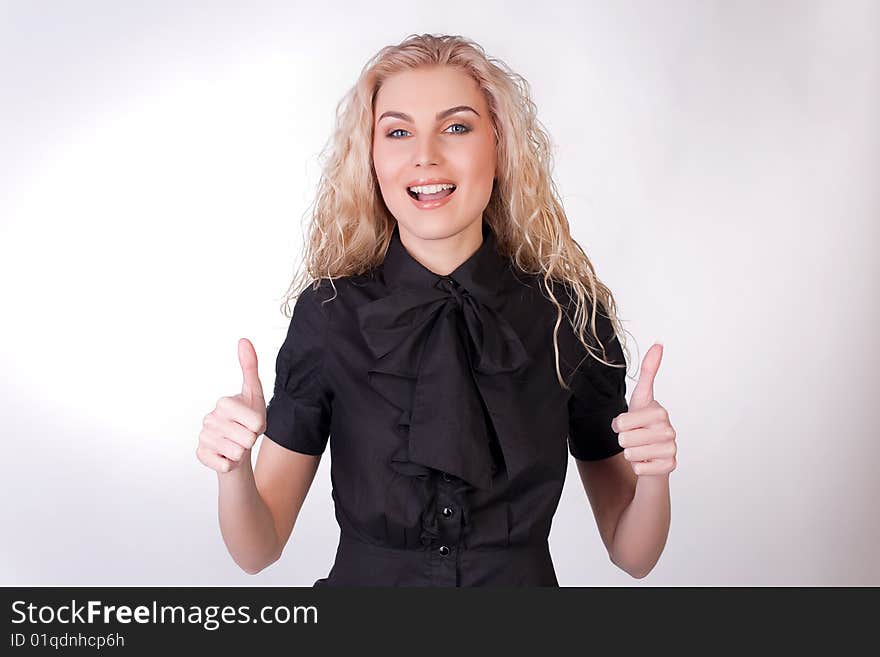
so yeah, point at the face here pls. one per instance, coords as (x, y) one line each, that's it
(415, 139)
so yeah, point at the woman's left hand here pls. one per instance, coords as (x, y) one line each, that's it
(644, 431)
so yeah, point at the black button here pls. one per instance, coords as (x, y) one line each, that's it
(447, 511)
(447, 476)
(444, 550)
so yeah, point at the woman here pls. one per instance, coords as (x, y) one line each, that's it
(452, 339)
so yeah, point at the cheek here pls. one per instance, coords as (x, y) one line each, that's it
(386, 165)
(479, 175)
(378, 163)
(384, 175)
(481, 163)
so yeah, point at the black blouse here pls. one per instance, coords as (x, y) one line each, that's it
(447, 425)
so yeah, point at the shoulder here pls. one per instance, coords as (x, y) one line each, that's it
(547, 299)
(540, 290)
(573, 352)
(333, 300)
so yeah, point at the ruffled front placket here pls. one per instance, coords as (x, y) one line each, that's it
(433, 345)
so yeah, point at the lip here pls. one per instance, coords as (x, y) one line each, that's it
(430, 181)
(435, 203)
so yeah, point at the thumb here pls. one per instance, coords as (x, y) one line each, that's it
(644, 392)
(251, 388)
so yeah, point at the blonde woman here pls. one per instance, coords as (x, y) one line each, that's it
(451, 342)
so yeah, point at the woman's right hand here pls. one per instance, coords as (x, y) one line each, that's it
(231, 429)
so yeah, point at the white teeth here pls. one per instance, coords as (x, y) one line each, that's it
(430, 189)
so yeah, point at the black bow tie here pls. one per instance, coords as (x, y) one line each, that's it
(433, 345)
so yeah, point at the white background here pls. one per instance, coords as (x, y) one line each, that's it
(718, 161)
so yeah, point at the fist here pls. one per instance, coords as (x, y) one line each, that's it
(231, 429)
(645, 432)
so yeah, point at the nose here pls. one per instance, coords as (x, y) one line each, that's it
(426, 151)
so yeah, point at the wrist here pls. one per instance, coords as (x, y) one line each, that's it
(243, 470)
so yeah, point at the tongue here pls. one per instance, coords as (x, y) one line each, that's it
(440, 194)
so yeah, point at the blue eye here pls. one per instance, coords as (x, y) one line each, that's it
(458, 132)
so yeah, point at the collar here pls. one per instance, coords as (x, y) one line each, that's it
(483, 274)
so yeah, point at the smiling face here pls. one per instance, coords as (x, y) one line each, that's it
(415, 139)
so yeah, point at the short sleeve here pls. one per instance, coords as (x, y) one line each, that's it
(298, 415)
(598, 396)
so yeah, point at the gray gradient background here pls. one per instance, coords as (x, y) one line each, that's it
(719, 162)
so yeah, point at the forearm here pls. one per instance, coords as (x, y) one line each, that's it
(643, 526)
(246, 524)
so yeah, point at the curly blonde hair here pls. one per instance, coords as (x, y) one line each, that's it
(350, 227)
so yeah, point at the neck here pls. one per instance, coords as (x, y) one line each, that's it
(442, 255)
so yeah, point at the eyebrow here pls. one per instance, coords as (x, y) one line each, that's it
(440, 115)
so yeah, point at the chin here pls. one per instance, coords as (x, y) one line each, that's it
(434, 227)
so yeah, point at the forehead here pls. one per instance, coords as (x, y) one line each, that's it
(425, 91)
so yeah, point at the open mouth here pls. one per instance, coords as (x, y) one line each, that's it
(443, 193)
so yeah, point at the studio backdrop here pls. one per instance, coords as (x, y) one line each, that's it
(718, 162)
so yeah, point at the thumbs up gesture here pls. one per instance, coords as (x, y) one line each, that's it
(644, 431)
(231, 429)
(251, 388)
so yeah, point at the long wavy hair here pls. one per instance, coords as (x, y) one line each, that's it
(350, 228)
